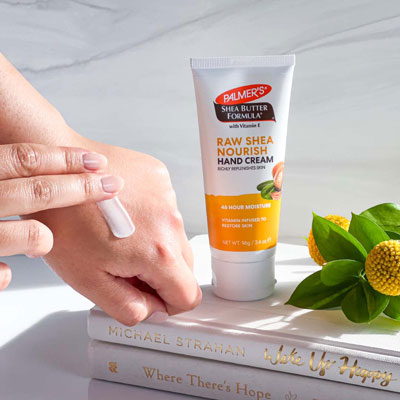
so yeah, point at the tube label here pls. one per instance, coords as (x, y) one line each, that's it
(242, 223)
(237, 105)
(243, 113)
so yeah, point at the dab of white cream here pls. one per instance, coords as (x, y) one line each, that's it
(117, 217)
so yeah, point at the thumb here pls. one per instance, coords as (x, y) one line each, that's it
(125, 303)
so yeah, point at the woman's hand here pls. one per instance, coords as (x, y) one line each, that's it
(132, 278)
(36, 177)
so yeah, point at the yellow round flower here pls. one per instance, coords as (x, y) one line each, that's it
(382, 267)
(312, 246)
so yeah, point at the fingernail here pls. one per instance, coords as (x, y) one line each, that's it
(199, 293)
(94, 161)
(31, 256)
(117, 217)
(112, 184)
(157, 317)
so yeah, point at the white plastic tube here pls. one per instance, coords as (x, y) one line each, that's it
(243, 108)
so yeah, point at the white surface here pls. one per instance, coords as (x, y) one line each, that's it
(119, 72)
(269, 320)
(293, 264)
(43, 335)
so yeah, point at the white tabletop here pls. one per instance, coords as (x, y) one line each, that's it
(43, 339)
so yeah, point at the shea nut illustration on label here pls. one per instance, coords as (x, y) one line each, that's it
(234, 104)
(272, 189)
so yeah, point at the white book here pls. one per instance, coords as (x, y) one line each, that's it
(206, 378)
(269, 334)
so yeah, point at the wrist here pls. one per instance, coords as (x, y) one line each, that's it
(27, 117)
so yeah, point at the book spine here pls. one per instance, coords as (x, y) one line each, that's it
(248, 348)
(212, 379)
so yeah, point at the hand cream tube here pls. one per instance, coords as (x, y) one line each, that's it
(243, 107)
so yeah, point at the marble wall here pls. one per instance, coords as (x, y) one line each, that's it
(107, 64)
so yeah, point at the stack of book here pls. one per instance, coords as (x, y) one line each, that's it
(252, 350)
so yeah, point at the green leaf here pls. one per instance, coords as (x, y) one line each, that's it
(267, 190)
(266, 196)
(366, 231)
(261, 185)
(363, 303)
(393, 235)
(386, 215)
(340, 271)
(393, 308)
(334, 243)
(311, 293)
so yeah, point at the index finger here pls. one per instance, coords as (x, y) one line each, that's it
(29, 159)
